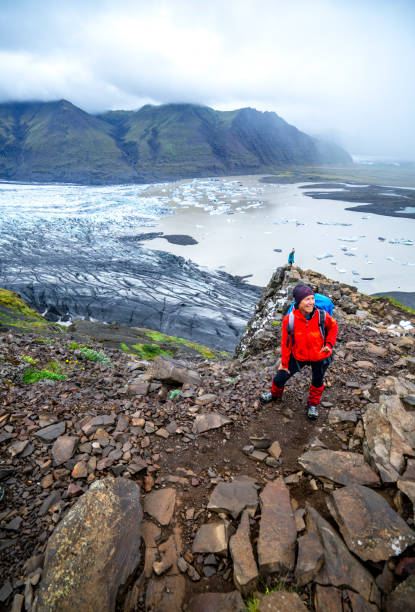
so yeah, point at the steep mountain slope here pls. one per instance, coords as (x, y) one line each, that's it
(56, 141)
(178, 140)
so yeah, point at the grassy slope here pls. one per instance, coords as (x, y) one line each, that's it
(58, 141)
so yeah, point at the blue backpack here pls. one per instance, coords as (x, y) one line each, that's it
(323, 305)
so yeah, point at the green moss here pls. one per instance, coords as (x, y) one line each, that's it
(125, 348)
(206, 352)
(275, 323)
(31, 375)
(150, 351)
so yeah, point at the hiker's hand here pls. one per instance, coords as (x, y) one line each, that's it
(325, 349)
(285, 369)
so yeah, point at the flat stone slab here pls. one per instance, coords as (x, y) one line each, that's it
(217, 602)
(245, 571)
(165, 594)
(211, 420)
(282, 601)
(63, 449)
(234, 497)
(171, 370)
(277, 530)
(160, 505)
(94, 549)
(340, 567)
(212, 538)
(310, 558)
(339, 466)
(370, 527)
(51, 432)
(328, 599)
(337, 416)
(390, 435)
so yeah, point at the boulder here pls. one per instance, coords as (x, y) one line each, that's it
(211, 420)
(217, 602)
(234, 497)
(172, 371)
(277, 531)
(282, 601)
(63, 449)
(340, 567)
(370, 527)
(245, 571)
(160, 505)
(390, 434)
(212, 538)
(94, 549)
(339, 466)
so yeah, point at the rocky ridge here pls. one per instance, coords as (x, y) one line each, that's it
(235, 496)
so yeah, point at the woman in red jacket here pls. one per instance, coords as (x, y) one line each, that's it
(304, 346)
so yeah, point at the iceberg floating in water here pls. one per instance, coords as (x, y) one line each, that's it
(341, 270)
(324, 256)
(352, 239)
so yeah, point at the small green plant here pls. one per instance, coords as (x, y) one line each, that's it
(174, 393)
(91, 355)
(275, 323)
(54, 366)
(31, 375)
(74, 346)
(30, 360)
(252, 604)
(124, 347)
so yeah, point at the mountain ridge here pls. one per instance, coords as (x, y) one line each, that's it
(59, 142)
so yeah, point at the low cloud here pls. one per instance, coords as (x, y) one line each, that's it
(340, 68)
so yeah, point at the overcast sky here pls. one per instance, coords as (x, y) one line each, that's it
(340, 68)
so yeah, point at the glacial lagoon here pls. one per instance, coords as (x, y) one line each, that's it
(71, 249)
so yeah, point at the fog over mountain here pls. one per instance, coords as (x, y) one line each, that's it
(339, 69)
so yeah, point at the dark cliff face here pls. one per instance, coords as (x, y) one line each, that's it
(56, 141)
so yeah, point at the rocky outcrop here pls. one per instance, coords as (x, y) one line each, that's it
(94, 550)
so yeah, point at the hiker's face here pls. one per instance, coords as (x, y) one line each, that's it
(306, 305)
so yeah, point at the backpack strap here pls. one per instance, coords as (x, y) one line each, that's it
(322, 323)
(290, 328)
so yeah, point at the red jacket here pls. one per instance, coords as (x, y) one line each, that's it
(308, 341)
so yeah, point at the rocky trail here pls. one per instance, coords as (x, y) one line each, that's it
(165, 485)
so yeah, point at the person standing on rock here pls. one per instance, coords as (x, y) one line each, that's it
(291, 257)
(308, 343)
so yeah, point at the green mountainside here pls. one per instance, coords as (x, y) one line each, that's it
(56, 141)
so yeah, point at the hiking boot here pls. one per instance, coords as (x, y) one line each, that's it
(267, 397)
(312, 413)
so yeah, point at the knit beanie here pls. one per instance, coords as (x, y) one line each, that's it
(300, 292)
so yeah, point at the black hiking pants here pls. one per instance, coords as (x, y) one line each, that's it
(318, 369)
